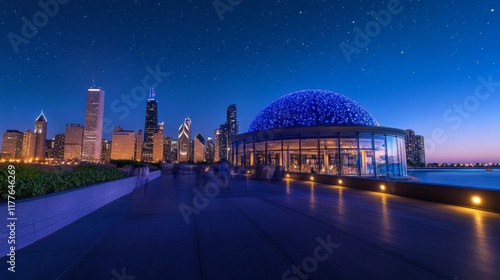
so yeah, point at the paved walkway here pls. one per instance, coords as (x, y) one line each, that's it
(261, 230)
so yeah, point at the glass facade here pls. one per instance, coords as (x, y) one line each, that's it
(347, 153)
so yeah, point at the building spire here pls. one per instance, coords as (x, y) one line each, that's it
(93, 80)
(152, 93)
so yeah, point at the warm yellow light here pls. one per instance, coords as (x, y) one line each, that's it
(340, 181)
(288, 175)
(476, 199)
(312, 178)
(382, 187)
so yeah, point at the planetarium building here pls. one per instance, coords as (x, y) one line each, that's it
(324, 132)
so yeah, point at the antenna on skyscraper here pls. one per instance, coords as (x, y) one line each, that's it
(93, 80)
(152, 93)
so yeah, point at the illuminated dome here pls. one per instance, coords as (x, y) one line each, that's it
(314, 107)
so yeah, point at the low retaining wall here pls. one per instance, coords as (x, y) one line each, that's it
(40, 216)
(462, 196)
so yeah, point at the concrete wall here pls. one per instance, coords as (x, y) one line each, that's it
(40, 216)
(462, 196)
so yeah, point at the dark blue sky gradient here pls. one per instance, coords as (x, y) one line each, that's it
(426, 60)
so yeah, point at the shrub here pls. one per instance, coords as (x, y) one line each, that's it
(34, 182)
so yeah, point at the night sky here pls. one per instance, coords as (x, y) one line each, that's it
(420, 71)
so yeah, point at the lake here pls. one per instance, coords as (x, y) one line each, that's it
(478, 178)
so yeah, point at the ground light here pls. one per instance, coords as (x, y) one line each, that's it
(340, 182)
(288, 175)
(312, 178)
(382, 187)
(476, 200)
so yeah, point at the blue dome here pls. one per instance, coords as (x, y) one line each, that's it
(312, 107)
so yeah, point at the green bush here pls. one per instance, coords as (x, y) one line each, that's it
(31, 182)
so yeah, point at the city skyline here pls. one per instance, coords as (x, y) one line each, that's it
(447, 90)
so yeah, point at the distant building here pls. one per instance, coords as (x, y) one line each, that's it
(419, 149)
(73, 142)
(199, 148)
(191, 151)
(29, 140)
(209, 150)
(150, 126)
(223, 141)
(217, 144)
(41, 134)
(158, 143)
(226, 131)
(167, 149)
(106, 150)
(92, 131)
(12, 144)
(58, 152)
(232, 121)
(184, 141)
(138, 146)
(123, 144)
(49, 148)
(174, 151)
(415, 149)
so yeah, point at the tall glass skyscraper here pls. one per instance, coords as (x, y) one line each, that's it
(150, 126)
(92, 130)
(41, 135)
(232, 121)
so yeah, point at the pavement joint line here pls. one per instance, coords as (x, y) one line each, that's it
(397, 256)
(282, 251)
(90, 247)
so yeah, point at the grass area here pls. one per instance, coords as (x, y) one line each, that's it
(30, 181)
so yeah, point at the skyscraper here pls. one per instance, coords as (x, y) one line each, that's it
(138, 146)
(29, 140)
(419, 149)
(232, 121)
(191, 151)
(92, 131)
(223, 141)
(415, 148)
(49, 147)
(184, 141)
(217, 144)
(41, 134)
(174, 152)
(12, 144)
(158, 142)
(209, 150)
(232, 127)
(199, 148)
(167, 149)
(105, 150)
(150, 126)
(73, 142)
(59, 147)
(122, 144)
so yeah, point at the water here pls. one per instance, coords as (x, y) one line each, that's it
(477, 178)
